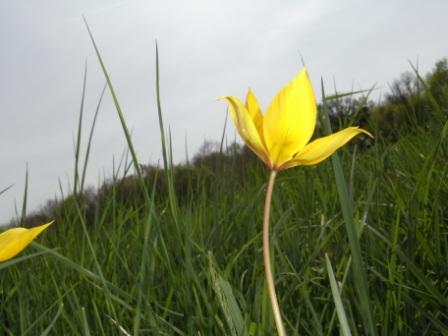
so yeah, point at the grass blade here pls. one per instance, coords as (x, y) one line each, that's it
(337, 299)
(227, 301)
(358, 271)
(89, 142)
(55, 318)
(25, 198)
(79, 134)
(6, 189)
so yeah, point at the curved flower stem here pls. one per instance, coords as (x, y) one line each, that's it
(267, 256)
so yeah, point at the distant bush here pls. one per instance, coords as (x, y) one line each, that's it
(409, 104)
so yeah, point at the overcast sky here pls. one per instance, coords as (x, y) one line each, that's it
(207, 49)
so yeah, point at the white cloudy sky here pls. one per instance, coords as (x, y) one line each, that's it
(207, 49)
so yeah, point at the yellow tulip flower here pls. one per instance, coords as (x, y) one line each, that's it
(14, 240)
(281, 137)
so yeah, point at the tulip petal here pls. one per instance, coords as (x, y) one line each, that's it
(320, 149)
(246, 127)
(254, 111)
(290, 120)
(14, 240)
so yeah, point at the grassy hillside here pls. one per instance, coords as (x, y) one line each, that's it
(177, 251)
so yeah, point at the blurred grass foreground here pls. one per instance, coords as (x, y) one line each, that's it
(176, 250)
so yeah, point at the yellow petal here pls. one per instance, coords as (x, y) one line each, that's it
(13, 241)
(246, 127)
(320, 149)
(254, 111)
(290, 120)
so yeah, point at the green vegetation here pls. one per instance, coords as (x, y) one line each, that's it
(177, 250)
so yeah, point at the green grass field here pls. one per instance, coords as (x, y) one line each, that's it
(177, 251)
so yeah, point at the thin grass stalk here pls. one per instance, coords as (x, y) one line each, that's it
(9, 263)
(53, 321)
(23, 312)
(85, 323)
(32, 327)
(79, 134)
(98, 318)
(89, 142)
(6, 189)
(337, 299)
(223, 136)
(25, 198)
(187, 157)
(144, 257)
(95, 259)
(124, 126)
(159, 111)
(166, 152)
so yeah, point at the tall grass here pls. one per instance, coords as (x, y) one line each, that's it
(164, 262)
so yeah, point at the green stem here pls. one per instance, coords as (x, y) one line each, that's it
(267, 256)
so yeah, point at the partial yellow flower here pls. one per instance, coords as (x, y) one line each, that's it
(281, 137)
(14, 240)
